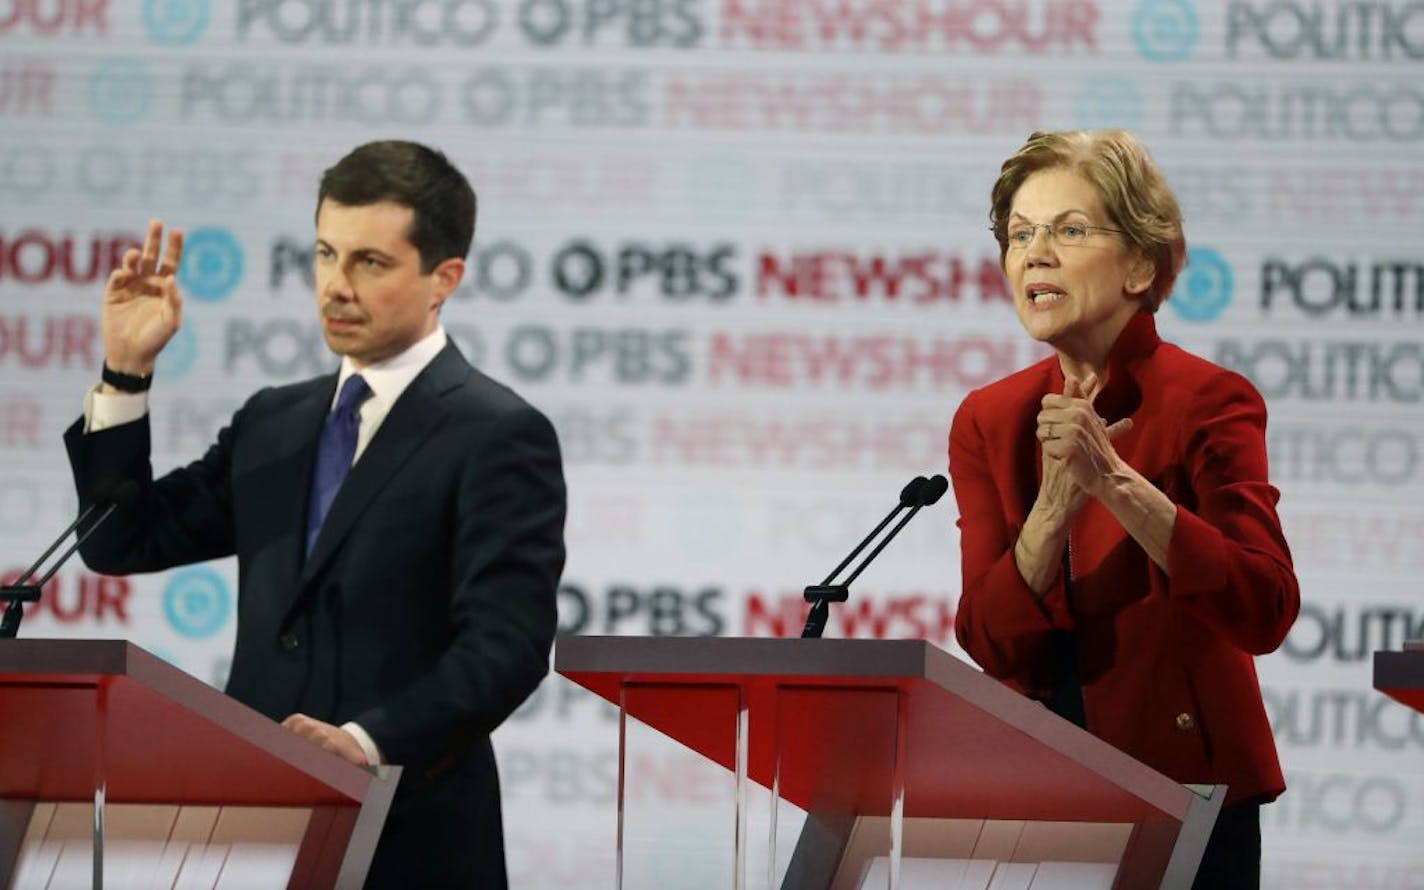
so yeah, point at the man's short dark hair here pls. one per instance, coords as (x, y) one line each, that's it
(414, 176)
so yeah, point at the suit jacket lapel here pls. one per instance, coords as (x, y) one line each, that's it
(412, 419)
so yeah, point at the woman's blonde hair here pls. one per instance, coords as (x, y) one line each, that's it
(1133, 191)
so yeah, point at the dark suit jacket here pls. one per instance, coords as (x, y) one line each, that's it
(426, 609)
(1165, 662)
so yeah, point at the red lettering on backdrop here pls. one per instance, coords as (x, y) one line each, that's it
(20, 421)
(857, 104)
(980, 26)
(677, 776)
(915, 616)
(67, 341)
(48, 18)
(922, 278)
(36, 257)
(875, 363)
(1345, 194)
(767, 616)
(110, 597)
(79, 597)
(27, 88)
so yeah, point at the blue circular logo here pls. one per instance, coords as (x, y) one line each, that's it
(1108, 102)
(120, 92)
(1204, 290)
(212, 264)
(196, 602)
(1165, 30)
(175, 22)
(178, 356)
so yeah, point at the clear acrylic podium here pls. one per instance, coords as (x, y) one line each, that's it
(119, 770)
(791, 763)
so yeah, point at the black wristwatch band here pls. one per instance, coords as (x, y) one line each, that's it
(125, 382)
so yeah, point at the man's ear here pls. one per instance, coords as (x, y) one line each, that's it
(447, 277)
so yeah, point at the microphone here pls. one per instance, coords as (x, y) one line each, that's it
(919, 493)
(24, 591)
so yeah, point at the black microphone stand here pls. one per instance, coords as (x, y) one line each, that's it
(920, 492)
(23, 591)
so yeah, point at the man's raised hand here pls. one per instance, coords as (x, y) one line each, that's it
(143, 307)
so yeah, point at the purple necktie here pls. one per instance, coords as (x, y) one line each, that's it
(334, 452)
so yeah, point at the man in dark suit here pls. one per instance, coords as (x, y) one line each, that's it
(398, 525)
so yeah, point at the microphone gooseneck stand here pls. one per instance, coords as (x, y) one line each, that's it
(917, 494)
(25, 589)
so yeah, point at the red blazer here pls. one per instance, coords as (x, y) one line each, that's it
(1166, 662)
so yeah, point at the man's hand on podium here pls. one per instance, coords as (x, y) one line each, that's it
(332, 738)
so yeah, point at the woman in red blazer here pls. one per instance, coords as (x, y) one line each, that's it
(1122, 557)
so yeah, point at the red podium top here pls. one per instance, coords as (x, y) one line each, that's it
(974, 747)
(166, 737)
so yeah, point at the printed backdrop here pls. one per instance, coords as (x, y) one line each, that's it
(738, 250)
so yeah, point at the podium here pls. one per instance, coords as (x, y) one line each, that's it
(118, 769)
(1400, 675)
(870, 763)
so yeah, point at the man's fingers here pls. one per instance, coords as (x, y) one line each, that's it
(327, 737)
(174, 298)
(1070, 387)
(118, 279)
(174, 255)
(151, 244)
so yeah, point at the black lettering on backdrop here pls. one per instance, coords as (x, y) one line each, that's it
(1339, 804)
(675, 271)
(628, 356)
(1326, 31)
(596, 435)
(658, 610)
(278, 348)
(246, 92)
(1342, 718)
(1250, 110)
(424, 23)
(1319, 286)
(634, 23)
(1350, 634)
(1352, 456)
(530, 97)
(1332, 370)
